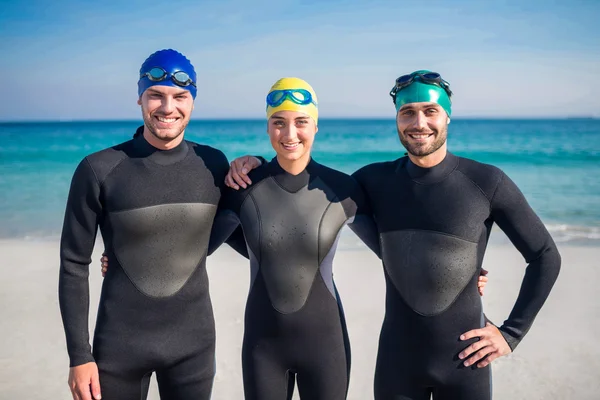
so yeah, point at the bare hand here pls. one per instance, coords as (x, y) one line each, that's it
(84, 382)
(491, 345)
(482, 281)
(103, 264)
(238, 173)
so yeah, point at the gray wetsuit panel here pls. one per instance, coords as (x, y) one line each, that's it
(293, 239)
(158, 246)
(428, 269)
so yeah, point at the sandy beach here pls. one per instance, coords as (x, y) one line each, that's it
(559, 358)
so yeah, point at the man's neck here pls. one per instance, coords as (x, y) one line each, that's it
(162, 144)
(430, 160)
(294, 167)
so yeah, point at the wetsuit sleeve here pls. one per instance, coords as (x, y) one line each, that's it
(226, 227)
(82, 218)
(526, 231)
(237, 241)
(364, 225)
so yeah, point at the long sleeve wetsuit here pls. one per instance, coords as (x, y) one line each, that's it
(155, 210)
(294, 322)
(434, 226)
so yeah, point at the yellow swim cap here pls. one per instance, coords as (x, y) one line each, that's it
(292, 94)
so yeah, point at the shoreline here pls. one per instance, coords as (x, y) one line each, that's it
(563, 235)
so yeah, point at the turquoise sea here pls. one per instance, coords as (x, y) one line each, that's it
(556, 163)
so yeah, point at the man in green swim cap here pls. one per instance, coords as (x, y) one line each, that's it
(415, 114)
(434, 213)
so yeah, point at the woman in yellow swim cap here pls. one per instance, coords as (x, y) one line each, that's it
(292, 116)
(292, 217)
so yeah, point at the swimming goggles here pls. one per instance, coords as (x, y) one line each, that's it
(180, 78)
(298, 96)
(429, 77)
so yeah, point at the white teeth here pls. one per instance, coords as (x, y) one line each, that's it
(419, 136)
(167, 120)
(290, 145)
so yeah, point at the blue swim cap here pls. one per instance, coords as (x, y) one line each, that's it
(171, 61)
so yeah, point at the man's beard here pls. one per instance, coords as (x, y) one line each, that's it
(425, 149)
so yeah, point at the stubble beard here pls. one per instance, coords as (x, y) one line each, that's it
(419, 150)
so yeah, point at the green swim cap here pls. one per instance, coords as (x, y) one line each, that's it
(420, 90)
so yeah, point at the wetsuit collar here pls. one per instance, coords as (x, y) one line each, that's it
(433, 174)
(292, 183)
(144, 149)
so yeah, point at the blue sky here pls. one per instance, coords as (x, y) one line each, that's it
(68, 60)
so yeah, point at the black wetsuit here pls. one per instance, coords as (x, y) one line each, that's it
(155, 210)
(294, 323)
(434, 225)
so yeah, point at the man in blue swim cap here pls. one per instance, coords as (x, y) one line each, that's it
(166, 90)
(154, 199)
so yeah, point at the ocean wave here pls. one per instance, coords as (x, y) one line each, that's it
(566, 233)
(561, 233)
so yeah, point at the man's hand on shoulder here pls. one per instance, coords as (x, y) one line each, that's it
(238, 172)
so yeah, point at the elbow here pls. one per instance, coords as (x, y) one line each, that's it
(554, 257)
(547, 261)
(556, 261)
(552, 261)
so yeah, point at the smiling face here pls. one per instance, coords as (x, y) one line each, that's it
(422, 128)
(166, 111)
(292, 134)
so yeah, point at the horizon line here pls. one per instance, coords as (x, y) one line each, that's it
(366, 118)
